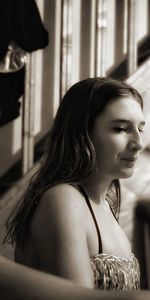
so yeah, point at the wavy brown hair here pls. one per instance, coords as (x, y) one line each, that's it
(70, 156)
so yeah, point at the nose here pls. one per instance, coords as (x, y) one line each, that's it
(136, 143)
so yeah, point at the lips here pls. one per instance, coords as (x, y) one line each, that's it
(129, 159)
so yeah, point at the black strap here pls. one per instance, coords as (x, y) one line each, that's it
(94, 218)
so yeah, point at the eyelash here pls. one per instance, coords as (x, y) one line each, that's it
(120, 129)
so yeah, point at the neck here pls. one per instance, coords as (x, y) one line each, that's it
(96, 188)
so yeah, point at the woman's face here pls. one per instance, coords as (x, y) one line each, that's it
(117, 138)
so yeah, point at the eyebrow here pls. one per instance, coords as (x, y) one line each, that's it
(126, 121)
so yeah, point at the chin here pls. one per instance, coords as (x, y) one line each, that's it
(127, 174)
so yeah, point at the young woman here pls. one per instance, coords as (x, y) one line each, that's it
(67, 223)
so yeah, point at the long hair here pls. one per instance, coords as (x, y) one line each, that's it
(70, 156)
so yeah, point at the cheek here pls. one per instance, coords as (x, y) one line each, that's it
(117, 143)
(110, 145)
(104, 149)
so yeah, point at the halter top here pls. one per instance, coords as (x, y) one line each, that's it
(109, 271)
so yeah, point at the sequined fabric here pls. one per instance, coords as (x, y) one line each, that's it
(113, 273)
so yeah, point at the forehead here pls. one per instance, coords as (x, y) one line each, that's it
(126, 108)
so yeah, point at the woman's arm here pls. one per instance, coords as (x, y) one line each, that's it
(18, 282)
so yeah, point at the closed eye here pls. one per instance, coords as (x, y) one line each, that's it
(120, 129)
(124, 129)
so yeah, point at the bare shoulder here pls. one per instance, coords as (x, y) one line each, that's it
(60, 204)
(63, 196)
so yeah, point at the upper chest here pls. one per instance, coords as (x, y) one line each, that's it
(113, 239)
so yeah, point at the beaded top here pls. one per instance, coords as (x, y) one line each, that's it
(113, 273)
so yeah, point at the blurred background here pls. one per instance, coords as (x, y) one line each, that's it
(47, 46)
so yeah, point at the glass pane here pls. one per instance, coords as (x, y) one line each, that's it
(105, 36)
(66, 45)
(142, 16)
